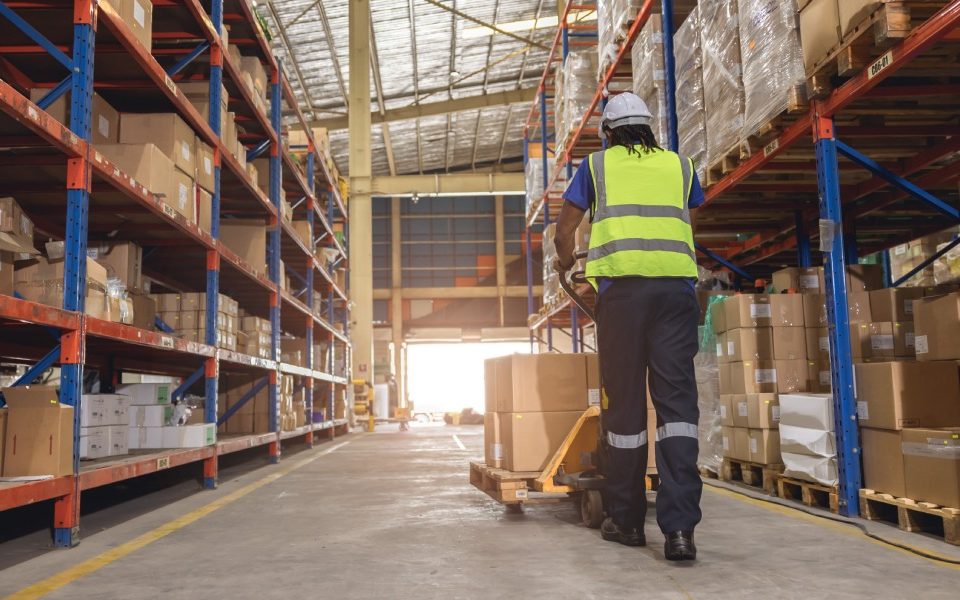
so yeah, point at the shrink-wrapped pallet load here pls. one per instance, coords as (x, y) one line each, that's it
(723, 92)
(648, 75)
(691, 119)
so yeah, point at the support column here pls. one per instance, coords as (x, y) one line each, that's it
(396, 299)
(835, 278)
(501, 255)
(361, 214)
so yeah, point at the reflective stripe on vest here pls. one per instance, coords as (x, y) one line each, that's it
(641, 225)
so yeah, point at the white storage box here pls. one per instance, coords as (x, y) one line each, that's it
(94, 442)
(812, 442)
(156, 415)
(190, 436)
(813, 411)
(148, 393)
(818, 469)
(103, 409)
(144, 437)
(119, 439)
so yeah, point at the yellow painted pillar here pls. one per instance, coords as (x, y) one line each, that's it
(396, 300)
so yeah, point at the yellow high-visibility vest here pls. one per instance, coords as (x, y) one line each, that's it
(641, 221)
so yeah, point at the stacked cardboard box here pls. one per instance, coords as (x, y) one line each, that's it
(293, 351)
(41, 280)
(532, 403)
(104, 119)
(825, 23)
(150, 417)
(750, 427)
(576, 84)
(138, 15)
(290, 403)
(253, 337)
(186, 314)
(104, 423)
(39, 433)
(906, 257)
(248, 239)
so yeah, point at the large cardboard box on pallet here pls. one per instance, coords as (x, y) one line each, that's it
(853, 12)
(39, 438)
(763, 411)
(819, 30)
(883, 461)
(736, 443)
(894, 395)
(492, 444)
(786, 310)
(530, 439)
(543, 382)
(789, 343)
(931, 461)
(764, 446)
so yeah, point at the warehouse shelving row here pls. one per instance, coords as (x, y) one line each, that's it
(892, 119)
(82, 46)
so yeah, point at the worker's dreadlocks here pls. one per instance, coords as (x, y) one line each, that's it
(631, 136)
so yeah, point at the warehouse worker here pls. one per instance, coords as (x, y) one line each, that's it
(643, 265)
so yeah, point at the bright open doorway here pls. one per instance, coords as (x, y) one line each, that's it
(448, 377)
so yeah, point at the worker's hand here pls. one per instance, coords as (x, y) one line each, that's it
(559, 267)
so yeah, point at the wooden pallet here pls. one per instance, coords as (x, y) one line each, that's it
(911, 515)
(889, 24)
(509, 487)
(727, 162)
(750, 473)
(707, 473)
(810, 494)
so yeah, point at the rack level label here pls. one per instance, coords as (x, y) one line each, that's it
(168, 210)
(771, 147)
(163, 463)
(880, 65)
(166, 341)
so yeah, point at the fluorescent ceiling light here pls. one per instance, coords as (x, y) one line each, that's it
(529, 24)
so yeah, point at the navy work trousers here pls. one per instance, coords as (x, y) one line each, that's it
(647, 332)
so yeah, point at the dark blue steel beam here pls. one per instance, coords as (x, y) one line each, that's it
(40, 39)
(897, 181)
(803, 241)
(669, 67)
(256, 389)
(36, 370)
(925, 263)
(189, 58)
(726, 263)
(162, 326)
(189, 381)
(53, 95)
(255, 152)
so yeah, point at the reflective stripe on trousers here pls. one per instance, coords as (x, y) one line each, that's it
(627, 442)
(669, 430)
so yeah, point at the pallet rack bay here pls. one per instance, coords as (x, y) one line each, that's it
(898, 105)
(76, 47)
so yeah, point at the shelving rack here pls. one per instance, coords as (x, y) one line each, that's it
(900, 109)
(84, 45)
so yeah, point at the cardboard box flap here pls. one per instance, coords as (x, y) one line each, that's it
(30, 396)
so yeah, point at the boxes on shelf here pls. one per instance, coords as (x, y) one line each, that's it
(122, 261)
(198, 93)
(172, 436)
(819, 30)
(146, 394)
(147, 165)
(138, 15)
(39, 433)
(937, 327)
(906, 257)
(204, 174)
(167, 131)
(723, 92)
(773, 73)
(894, 395)
(248, 239)
(103, 441)
(97, 410)
(41, 280)
(576, 84)
(894, 304)
(294, 351)
(736, 442)
(807, 441)
(104, 119)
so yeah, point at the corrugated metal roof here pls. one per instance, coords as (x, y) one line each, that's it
(424, 56)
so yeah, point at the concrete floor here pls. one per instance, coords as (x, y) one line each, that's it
(391, 515)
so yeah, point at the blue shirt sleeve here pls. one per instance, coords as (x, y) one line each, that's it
(580, 192)
(697, 198)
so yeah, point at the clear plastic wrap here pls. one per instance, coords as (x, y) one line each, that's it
(906, 257)
(606, 37)
(533, 179)
(708, 398)
(691, 118)
(551, 279)
(723, 93)
(648, 75)
(575, 85)
(773, 73)
(947, 268)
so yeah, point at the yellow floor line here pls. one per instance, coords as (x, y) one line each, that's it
(845, 529)
(96, 563)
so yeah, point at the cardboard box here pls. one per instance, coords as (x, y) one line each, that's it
(530, 439)
(189, 436)
(860, 341)
(748, 343)
(763, 411)
(894, 304)
(104, 119)
(204, 210)
(94, 442)
(789, 343)
(204, 171)
(818, 469)
(854, 12)
(593, 380)
(104, 409)
(736, 443)
(864, 278)
(752, 377)
(931, 461)
(894, 395)
(738, 404)
(185, 199)
(727, 409)
(883, 461)
(6, 273)
(41, 280)
(147, 165)
(718, 316)
(764, 446)
(824, 377)
(138, 15)
(812, 411)
(891, 340)
(542, 382)
(248, 239)
(122, 260)
(786, 310)
(791, 376)
(815, 309)
(492, 446)
(858, 305)
(817, 343)
(252, 66)
(144, 437)
(147, 393)
(747, 310)
(39, 439)
(167, 131)
(3, 434)
(819, 30)
(798, 279)
(937, 325)
(16, 228)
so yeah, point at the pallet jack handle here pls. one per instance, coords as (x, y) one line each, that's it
(569, 281)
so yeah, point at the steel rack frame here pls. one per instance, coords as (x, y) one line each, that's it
(899, 190)
(95, 188)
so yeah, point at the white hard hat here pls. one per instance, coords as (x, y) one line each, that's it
(625, 109)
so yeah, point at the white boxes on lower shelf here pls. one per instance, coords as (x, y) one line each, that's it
(182, 436)
(104, 419)
(808, 443)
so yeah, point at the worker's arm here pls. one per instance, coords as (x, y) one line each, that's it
(697, 198)
(693, 221)
(570, 218)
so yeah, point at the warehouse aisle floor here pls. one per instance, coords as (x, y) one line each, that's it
(391, 515)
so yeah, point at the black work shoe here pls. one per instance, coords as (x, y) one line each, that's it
(680, 546)
(631, 536)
